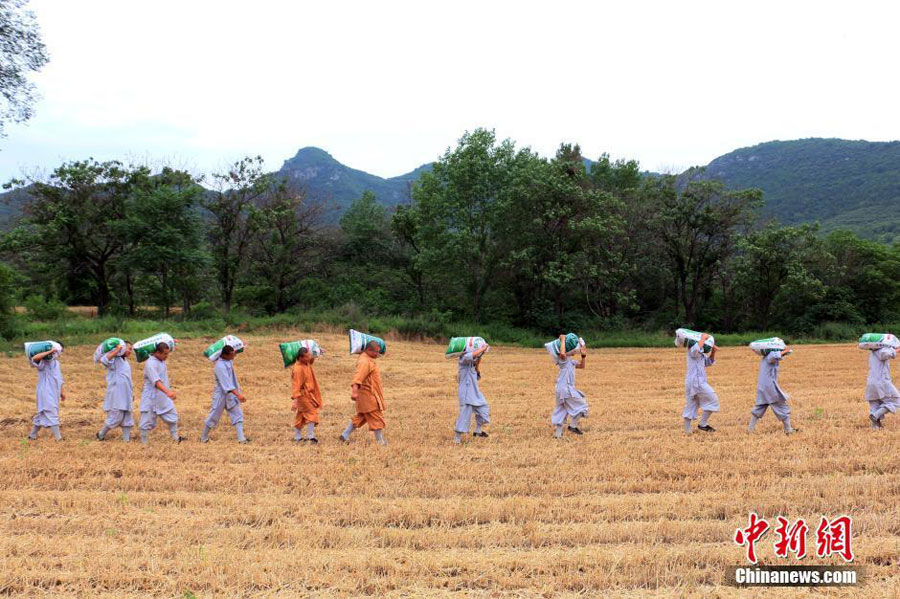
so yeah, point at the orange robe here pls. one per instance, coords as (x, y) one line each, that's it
(306, 395)
(370, 400)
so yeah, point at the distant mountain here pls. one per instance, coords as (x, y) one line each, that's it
(11, 203)
(325, 179)
(841, 184)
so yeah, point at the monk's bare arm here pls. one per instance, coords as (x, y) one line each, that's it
(168, 392)
(38, 357)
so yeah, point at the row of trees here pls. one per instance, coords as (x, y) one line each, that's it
(500, 233)
(491, 233)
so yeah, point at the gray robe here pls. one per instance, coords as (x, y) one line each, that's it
(471, 400)
(570, 401)
(879, 385)
(119, 387)
(695, 379)
(469, 393)
(225, 382)
(49, 387)
(565, 381)
(767, 389)
(152, 399)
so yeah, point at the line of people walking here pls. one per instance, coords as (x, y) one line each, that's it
(700, 398)
(158, 397)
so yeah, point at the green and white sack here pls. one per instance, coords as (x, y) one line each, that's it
(687, 338)
(33, 348)
(291, 349)
(878, 341)
(764, 347)
(358, 342)
(215, 350)
(107, 346)
(573, 344)
(145, 347)
(460, 345)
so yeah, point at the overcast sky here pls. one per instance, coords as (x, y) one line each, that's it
(386, 86)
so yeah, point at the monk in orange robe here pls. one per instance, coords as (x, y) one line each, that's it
(306, 397)
(366, 391)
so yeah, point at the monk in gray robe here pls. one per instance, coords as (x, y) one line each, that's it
(471, 399)
(699, 395)
(227, 395)
(881, 393)
(157, 396)
(49, 393)
(770, 394)
(570, 403)
(119, 392)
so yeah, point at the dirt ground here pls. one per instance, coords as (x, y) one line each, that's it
(633, 508)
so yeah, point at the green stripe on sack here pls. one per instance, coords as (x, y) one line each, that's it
(290, 350)
(459, 345)
(359, 341)
(145, 347)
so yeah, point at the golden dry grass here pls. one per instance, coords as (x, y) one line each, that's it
(633, 508)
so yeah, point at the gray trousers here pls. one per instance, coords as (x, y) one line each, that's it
(121, 418)
(148, 419)
(482, 416)
(891, 405)
(781, 409)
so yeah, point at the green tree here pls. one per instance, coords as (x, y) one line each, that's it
(9, 291)
(557, 231)
(74, 223)
(369, 259)
(459, 213)
(698, 222)
(405, 228)
(773, 262)
(618, 178)
(612, 238)
(166, 236)
(367, 229)
(236, 193)
(22, 52)
(870, 271)
(284, 247)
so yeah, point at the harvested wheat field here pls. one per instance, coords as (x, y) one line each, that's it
(633, 508)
